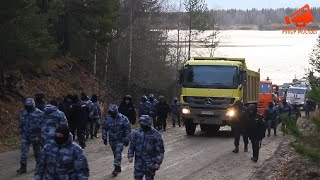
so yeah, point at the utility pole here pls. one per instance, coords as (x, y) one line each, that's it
(130, 53)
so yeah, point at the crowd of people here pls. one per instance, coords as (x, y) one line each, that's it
(53, 129)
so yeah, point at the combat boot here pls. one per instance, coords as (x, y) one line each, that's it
(236, 150)
(116, 171)
(246, 148)
(269, 131)
(22, 169)
(254, 159)
(96, 131)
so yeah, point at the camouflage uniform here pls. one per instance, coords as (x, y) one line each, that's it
(118, 129)
(144, 107)
(271, 117)
(90, 115)
(148, 149)
(96, 119)
(52, 119)
(175, 110)
(153, 114)
(62, 162)
(30, 131)
(285, 109)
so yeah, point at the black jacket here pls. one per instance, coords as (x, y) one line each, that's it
(79, 115)
(256, 127)
(241, 122)
(162, 109)
(129, 110)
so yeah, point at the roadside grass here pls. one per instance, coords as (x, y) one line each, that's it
(10, 142)
(307, 145)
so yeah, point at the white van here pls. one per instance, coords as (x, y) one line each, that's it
(297, 95)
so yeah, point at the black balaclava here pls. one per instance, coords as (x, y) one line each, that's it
(94, 98)
(63, 129)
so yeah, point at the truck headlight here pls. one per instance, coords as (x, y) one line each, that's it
(231, 113)
(186, 111)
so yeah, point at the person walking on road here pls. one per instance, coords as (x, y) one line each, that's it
(62, 158)
(117, 127)
(95, 122)
(128, 109)
(144, 106)
(52, 119)
(153, 113)
(256, 130)
(147, 149)
(307, 108)
(78, 120)
(285, 110)
(162, 109)
(30, 121)
(271, 116)
(238, 127)
(175, 111)
(89, 114)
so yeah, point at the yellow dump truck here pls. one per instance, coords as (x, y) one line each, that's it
(210, 89)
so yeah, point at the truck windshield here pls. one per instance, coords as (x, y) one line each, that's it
(265, 88)
(296, 91)
(205, 76)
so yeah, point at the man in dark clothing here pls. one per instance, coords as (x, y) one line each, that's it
(153, 114)
(65, 105)
(271, 118)
(162, 109)
(238, 127)
(256, 130)
(307, 108)
(78, 119)
(128, 109)
(40, 104)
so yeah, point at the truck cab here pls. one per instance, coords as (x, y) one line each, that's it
(266, 95)
(210, 87)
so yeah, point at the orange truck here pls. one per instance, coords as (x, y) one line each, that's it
(266, 95)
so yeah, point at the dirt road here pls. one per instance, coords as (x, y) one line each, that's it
(188, 158)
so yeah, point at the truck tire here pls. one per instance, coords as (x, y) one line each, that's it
(214, 128)
(203, 127)
(190, 128)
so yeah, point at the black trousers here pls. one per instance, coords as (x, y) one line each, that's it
(162, 122)
(255, 147)
(80, 134)
(237, 132)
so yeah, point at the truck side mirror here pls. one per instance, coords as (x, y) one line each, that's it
(243, 75)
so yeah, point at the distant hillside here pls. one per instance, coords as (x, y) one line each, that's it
(265, 19)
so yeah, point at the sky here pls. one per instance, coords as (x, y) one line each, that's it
(259, 4)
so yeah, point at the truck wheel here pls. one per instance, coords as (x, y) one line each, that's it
(215, 128)
(203, 127)
(190, 128)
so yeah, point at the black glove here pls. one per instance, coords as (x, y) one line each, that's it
(126, 144)
(105, 142)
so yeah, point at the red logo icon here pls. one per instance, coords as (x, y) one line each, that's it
(301, 17)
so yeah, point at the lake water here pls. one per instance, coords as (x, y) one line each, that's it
(279, 56)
